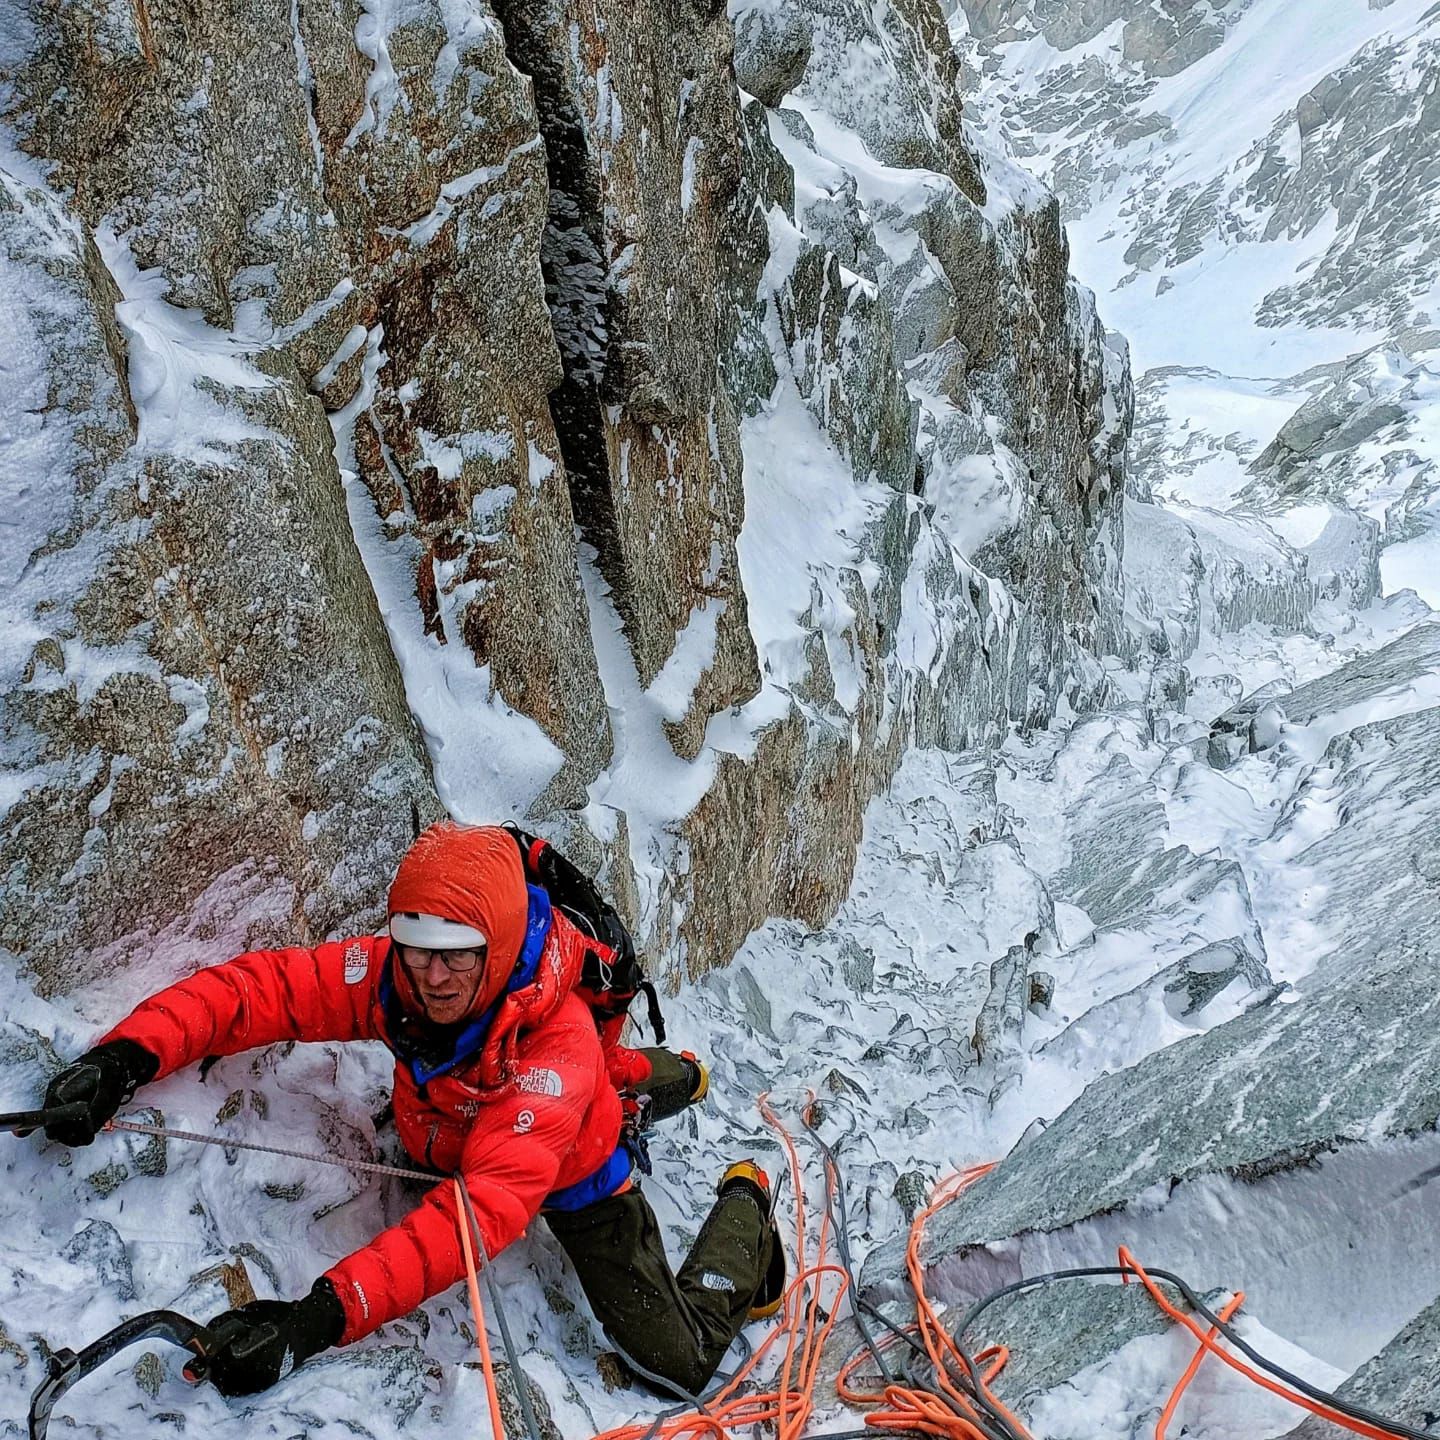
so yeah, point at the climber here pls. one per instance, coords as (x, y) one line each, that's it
(503, 1073)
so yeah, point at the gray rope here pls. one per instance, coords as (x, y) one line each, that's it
(364, 1167)
(517, 1375)
(367, 1167)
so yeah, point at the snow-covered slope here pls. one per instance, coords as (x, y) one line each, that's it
(1117, 953)
(1250, 188)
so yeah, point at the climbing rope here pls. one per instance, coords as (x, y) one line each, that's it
(470, 1232)
(363, 1167)
(808, 1315)
(1162, 1425)
(960, 1403)
(477, 1308)
(954, 1397)
(1308, 1397)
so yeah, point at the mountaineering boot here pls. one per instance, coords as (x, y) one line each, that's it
(745, 1176)
(676, 1082)
(699, 1076)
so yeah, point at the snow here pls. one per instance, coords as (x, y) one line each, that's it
(1222, 357)
(645, 778)
(693, 148)
(383, 91)
(1101, 1403)
(965, 858)
(950, 875)
(424, 230)
(1335, 1217)
(175, 360)
(32, 445)
(1412, 565)
(801, 503)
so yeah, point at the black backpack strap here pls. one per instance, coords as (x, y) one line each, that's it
(652, 1005)
(612, 968)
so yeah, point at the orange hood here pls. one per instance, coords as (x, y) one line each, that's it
(472, 874)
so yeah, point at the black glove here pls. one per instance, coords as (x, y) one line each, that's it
(102, 1080)
(262, 1342)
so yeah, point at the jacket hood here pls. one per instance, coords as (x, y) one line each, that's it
(471, 874)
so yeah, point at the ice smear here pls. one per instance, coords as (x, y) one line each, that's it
(1104, 1401)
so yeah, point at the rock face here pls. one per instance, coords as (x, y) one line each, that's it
(1402, 1379)
(1358, 438)
(190, 633)
(1274, 1117)
(408, 396)
(1156, 37)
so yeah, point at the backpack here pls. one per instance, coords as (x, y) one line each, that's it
(612, 975)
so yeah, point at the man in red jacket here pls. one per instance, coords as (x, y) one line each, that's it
(503, 1077)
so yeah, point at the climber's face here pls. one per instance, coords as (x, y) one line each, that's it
(446, 981)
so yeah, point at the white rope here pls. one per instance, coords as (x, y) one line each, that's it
(364, 1167)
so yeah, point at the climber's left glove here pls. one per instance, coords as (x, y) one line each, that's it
(96, 1085)
(262, 1342)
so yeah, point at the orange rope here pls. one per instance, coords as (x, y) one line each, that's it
(912, 1409)
(806, 1321)
(1210, 1344)
(482, 1340)
(807, 1318)
(1193, 1368)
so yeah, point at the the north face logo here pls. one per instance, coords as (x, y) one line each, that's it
(713, 1280)
(539, 1081)
(356, 964)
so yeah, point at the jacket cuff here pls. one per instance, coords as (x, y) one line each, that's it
(325, 1318)
(358, 1315)
(138, 1065)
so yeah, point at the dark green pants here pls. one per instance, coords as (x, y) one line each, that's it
(677, 1324)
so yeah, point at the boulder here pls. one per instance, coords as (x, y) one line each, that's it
(772, 48)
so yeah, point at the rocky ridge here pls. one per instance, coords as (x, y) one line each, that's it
(407, 388)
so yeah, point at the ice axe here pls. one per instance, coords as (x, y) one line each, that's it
(65, 1367)
(22, 1122)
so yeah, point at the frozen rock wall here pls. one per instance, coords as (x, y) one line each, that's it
(1310, 1115)
(494, 409)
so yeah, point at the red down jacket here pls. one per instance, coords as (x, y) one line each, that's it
(532, 1113)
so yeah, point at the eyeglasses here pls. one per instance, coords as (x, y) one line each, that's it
(458, 962)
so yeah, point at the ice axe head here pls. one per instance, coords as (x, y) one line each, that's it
(65, 1367)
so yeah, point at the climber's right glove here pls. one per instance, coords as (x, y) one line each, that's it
(101, 1081)
(262, 1342)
